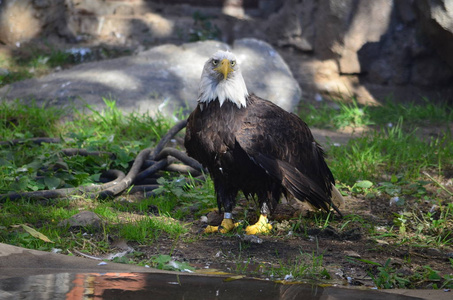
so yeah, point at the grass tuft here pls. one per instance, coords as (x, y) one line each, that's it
(20, 120)
(344, 113)
(390, 152)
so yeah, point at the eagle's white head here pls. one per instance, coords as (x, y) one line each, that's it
(222, 79)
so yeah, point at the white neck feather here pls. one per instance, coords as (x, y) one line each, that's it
(231, 89)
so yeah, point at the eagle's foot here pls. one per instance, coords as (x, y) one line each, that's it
(226, 226)
(260, 227)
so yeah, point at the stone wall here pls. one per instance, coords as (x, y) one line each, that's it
(390, 43)
(386, 42)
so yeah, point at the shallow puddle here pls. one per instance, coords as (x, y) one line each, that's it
(169, 286)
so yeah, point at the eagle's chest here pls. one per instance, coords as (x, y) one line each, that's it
(213, 132)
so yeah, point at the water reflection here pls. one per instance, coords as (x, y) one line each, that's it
(168, 286)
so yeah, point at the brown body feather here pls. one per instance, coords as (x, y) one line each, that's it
(261, 150)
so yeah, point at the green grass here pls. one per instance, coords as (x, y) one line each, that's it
(109, 130)
(148, 229)
(31, 167)
(126, 222)
(427, 113)
(342, 113)
(382, 163)
(305, 266)
(21, 120)
(390, 151)
(387, 276)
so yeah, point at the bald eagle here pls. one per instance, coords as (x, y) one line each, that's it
(251, 145)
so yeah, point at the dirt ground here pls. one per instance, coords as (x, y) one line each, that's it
(348, 249)
(339, 248)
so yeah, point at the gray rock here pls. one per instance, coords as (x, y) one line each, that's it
(436, 18)
(83, 219)
(428, 71)
(369, 23)
(3, 72)
(164, 78)
(23, 20)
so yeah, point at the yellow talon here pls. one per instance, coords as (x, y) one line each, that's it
(260, 227)
(211, 229)
(226, 226)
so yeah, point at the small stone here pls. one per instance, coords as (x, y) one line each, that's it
(83, 219)
(214, 218)
(251, 239)
(351, 253)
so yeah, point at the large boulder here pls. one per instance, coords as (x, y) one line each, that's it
(162, 79)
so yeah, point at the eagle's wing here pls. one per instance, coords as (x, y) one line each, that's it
(296, 183)
(282, 144)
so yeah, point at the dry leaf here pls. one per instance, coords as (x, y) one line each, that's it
(35, 233)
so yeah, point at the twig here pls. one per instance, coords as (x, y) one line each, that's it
(438, 183)
(182, 169)
(38, 140)
(181, 156)
(154, 168)
(167, 137)
(130, 177)
(59, 193)
(144, 188)
(83, 152)
(139, 161)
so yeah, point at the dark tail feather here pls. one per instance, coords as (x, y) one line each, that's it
(297, 184)
(303, 188)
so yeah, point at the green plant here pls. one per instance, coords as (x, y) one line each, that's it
(29, 166)
(387, 277)
(426, 227)
(361, 187)
(203, 28)
(322, 221)
(165, 262)
(351, 114)
(181, 196)
(340, 114)
(242, 266)
(13, 76)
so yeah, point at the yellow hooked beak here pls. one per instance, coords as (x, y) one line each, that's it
(224, 68)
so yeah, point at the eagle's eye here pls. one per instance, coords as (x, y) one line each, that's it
(215, 62)
(233, 63)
